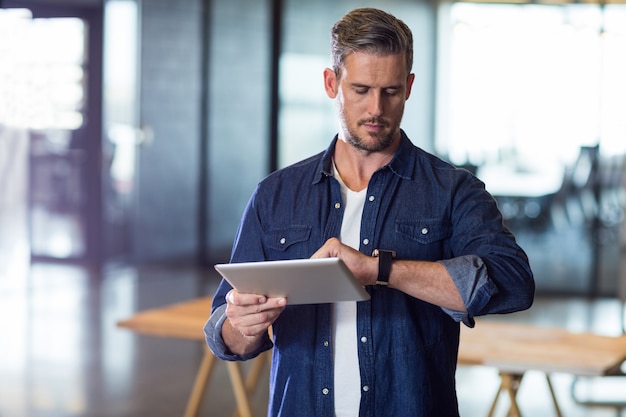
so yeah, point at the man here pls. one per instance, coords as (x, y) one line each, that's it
(371, 192)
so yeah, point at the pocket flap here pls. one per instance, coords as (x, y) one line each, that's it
(282, 239)
(423, 231)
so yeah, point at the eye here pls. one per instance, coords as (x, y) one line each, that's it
(390, 92)
(361, 90)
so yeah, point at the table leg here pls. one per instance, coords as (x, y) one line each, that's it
(557, 409)
(510, 384)
(239, 388)
(256, 369)
(199, 385)
(255, 372)
(495, 400)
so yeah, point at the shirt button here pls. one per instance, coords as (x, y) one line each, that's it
(282, 240)
(325, 391)
(425, 231)
(366, 241)
(372, 198)
(337, 205)
(365, 388)
(326, 343)
(364, 339)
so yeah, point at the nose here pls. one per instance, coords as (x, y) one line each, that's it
(375, 104)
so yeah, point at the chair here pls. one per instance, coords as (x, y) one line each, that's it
(578, 196)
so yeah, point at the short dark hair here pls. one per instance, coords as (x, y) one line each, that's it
(372, 31)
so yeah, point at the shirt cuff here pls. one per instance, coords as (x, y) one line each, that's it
(213, 336)
(469, 274)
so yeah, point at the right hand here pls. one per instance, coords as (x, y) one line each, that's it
(251, 315)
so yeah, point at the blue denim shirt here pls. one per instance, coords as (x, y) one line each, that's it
(424, 209)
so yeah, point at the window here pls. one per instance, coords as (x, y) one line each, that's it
(531, 82)
(41, 76)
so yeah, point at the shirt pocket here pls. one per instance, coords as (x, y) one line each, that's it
(426, 238)
(290, 240)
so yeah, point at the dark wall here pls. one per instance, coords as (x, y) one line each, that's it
(166, 217)
(238, 114)
(229, 130)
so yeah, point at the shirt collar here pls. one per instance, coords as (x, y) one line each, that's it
(402, 163)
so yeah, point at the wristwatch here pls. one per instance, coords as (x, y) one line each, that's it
(384, 265)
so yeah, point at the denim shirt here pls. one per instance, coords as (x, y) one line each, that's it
(424, 209)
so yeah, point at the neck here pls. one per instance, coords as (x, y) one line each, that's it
(356, 166)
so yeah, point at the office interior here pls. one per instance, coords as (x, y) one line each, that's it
(132, 133)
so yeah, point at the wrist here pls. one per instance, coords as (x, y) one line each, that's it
(238, 342)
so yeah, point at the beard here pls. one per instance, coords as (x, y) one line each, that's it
(374, 142)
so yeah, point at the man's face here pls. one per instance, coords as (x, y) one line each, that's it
(370, 97)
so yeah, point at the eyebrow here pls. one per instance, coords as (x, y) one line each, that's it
(390, 87)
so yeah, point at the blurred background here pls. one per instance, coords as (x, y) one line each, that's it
(132, 133)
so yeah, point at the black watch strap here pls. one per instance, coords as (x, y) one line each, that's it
(384, 265)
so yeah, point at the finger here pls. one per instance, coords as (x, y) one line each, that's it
(272, 307)
(253, 331)
(243, 299)
(255, 324)
(277, 301)
(320, 253)
(253, 313)
(331, 248)
(324, 252)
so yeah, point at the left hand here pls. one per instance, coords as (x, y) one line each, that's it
(364, 268)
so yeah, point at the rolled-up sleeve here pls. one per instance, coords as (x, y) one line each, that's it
(469, 274)
(490, 270)
(213, 335)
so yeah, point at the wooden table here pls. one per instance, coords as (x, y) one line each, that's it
(186, 320)
(511, 348)
(517, 348)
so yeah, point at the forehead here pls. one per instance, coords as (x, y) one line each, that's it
(375, 70)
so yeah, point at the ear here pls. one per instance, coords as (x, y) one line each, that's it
(409, 85)
(330, 83)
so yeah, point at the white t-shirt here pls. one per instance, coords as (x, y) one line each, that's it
(345, 352)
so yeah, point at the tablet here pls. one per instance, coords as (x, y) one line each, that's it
(301, 281)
